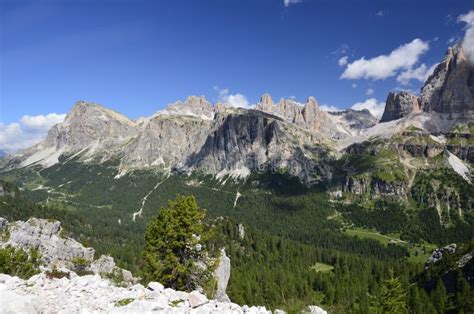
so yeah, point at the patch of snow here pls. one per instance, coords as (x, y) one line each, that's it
(459, 167)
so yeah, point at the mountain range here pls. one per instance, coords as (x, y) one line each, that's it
(196, 135)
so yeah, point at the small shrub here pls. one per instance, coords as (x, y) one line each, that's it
(80, 266)
(124, 302)
(4, 235)
(117, 277)
(175, 303)
(56, 273)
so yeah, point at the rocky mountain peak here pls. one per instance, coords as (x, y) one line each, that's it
(310, 110)
(450, 89)
(196, 106)
(266, 99)
(399, 105)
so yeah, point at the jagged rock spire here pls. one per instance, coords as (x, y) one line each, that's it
(399, 105)
(266, 99)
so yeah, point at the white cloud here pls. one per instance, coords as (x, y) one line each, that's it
(468, 41)
(371, 104)
(28, 131)
(287, 3)
(384, 66)
(343, 61)
(354, 85)
(420, 73)
(234, 100)
(329, 108)
(370, 91)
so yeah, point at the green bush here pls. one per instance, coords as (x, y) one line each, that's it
(17, 262)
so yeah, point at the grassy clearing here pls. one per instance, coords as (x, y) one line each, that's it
(419, 253)
(321, 267)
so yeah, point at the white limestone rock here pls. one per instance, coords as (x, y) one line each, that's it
(222, 274)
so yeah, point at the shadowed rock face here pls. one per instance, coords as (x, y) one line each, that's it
(399, 105)
(450, 89)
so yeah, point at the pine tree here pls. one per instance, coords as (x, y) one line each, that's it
(439, 296)
(393, 298)
(464, 296)
(176, 246)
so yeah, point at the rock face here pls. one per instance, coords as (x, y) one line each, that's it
(45, 236)
(222, 274)
(450, 89)
(399, 105)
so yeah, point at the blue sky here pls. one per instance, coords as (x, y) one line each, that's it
(137, 56)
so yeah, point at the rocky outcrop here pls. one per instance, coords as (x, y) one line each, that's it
(57, 250)
(222, 274)
(450, 89)
(399, 105)
(45, 236)
(372, 186)
(422, 150)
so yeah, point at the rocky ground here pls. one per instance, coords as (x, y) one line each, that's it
(93, 294)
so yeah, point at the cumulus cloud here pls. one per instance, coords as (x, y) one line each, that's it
(27, 132)
(370, 91)
(234, 100)
(376, 108)
(468, 41)
(343, 61)
(420, 73)
(287, 3)
(329, 108)
(384, 66)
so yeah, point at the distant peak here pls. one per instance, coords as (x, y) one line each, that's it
(199, 100)
(266, 99)
(312, 102)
